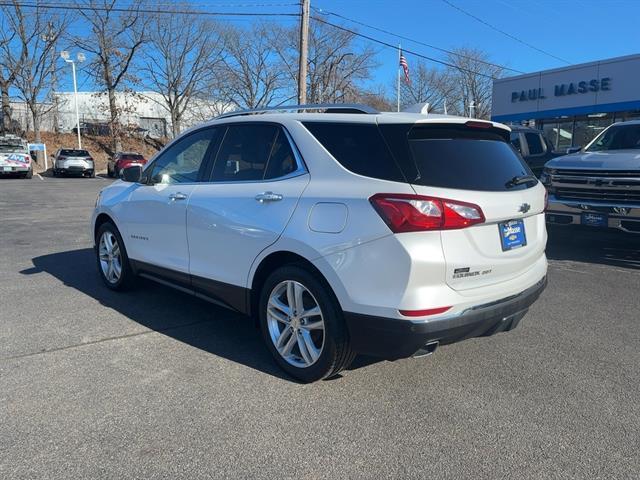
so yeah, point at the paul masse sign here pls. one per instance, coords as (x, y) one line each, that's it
(562, 89)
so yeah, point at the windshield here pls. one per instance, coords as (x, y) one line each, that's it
(12, 149)
(616, 137)
(133, 156)
(74, 153)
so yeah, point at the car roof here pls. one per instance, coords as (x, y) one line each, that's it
(377, 118)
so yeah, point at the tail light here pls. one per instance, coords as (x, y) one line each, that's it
(417, 213)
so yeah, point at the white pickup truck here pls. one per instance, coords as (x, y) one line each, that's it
(14, 157)
(598, 186)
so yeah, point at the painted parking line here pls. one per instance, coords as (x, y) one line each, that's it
(39, 176)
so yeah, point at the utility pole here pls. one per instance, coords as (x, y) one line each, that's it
(304, 51)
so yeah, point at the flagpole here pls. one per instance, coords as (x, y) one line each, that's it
(398, 68)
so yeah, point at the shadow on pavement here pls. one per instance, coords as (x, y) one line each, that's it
(592, 245)
(175, 314)
(167, 311)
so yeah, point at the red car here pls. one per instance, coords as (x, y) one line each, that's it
(122, 160)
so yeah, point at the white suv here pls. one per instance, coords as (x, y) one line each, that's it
(341, 230)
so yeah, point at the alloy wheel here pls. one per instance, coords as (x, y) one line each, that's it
(110, 257)
(295, 322)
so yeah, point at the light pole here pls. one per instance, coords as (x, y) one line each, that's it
(67, 58)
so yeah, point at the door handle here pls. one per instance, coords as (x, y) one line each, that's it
(268, 197)
(177, 196)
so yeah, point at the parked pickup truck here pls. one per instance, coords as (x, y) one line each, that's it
(598, 186)
(534, 147)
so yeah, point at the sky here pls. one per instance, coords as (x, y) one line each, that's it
(575, 30)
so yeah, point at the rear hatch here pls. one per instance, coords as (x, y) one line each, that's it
(475, 163)
(73, 159)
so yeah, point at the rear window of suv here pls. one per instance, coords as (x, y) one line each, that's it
(74, 153)
(456, 156)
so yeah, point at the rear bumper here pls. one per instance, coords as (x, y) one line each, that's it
(14, 170)
(392, 339)
(73, 169)
(622, 216)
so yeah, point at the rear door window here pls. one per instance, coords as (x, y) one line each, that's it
(534, 143)
(456, 156)
(244, 153)
(358, 147)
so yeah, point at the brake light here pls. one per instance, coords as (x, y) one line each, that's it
(478, 124)
(416, 213)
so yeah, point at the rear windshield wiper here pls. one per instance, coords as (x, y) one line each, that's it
(519, 180)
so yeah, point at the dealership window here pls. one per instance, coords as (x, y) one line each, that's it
(586, 129)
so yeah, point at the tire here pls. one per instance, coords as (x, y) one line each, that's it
(92, 174)
(29, 174)
(126, 279)
(109, 174)
(331, 344)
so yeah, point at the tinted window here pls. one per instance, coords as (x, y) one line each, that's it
(618, 137)
(456, 157)
(74, 153)
(359, 148)
(131, 157)
(534, 142)
(244, 153)
(181, 162)
(282, 160)
(515, 141)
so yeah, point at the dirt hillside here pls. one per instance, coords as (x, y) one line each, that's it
(98, 147)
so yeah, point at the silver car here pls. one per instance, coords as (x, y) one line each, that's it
(72, 161)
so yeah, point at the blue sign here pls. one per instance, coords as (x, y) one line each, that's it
(37, 147)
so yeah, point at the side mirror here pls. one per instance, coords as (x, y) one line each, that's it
(573, 149)
(132, 174)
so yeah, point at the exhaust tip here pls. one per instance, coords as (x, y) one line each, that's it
(428, 349)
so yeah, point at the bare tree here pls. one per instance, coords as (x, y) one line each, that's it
(182, 61)
(337, 65)
(428, 85)
(252, 77)
(472, 77)
(12, 54)
(37, 38)
(114, 41)
(376, 98)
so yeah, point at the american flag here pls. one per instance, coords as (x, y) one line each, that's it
(405, 67)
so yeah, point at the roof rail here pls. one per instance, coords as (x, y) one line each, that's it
(327, 107)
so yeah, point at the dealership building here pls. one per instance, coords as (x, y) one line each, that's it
(571, 104)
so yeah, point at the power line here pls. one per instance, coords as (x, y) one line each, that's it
(493, 27)
(149, 11)
(450, 52)
(241, 14)
(404, 50)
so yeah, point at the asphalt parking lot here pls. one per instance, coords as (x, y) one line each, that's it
(157, 384)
